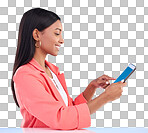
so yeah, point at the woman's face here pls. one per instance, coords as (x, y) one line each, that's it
(51, 38)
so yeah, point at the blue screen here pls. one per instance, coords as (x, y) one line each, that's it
(124, 74)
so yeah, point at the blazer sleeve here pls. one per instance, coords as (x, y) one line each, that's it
(38, 102)
(79, 99)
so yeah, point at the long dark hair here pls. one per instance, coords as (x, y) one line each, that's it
(34, 18)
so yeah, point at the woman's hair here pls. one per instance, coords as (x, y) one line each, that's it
(34, 18)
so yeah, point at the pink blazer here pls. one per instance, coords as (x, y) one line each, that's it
(41, 105)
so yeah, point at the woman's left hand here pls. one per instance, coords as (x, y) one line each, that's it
(101, 82)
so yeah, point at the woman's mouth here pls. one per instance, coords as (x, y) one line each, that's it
(58, 46)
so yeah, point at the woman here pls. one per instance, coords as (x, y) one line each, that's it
(37, 85)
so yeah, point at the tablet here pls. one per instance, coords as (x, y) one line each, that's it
(126, 73)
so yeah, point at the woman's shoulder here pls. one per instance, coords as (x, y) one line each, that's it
(26, 69)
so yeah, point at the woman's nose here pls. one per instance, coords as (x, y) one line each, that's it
(61, 41)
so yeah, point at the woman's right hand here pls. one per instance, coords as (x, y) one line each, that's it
(114, 91)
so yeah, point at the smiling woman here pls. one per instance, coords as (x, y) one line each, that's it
(38, 87)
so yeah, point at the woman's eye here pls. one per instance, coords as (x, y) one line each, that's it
(57, 34)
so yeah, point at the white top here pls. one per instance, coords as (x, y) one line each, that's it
(59, 87)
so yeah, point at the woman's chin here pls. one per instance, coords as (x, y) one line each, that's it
(55, 54)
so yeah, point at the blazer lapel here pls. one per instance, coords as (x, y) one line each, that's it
(59, 75)
(53, 89)
(61, 78)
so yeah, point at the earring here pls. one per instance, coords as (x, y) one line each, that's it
(36, 46)
(40, 43)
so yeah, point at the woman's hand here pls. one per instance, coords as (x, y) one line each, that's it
(101, 82)
(114, 91)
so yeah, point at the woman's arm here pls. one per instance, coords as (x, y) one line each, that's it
(89, 92)
(112, 92)
(100, 82)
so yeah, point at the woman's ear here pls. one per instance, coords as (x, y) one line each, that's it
(35, 34)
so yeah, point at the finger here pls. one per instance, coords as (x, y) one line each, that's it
(107, 82)
(111, 78)
(107, 79)
(105, 86)
(107, 76)
(124, 84)
(102, 84)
